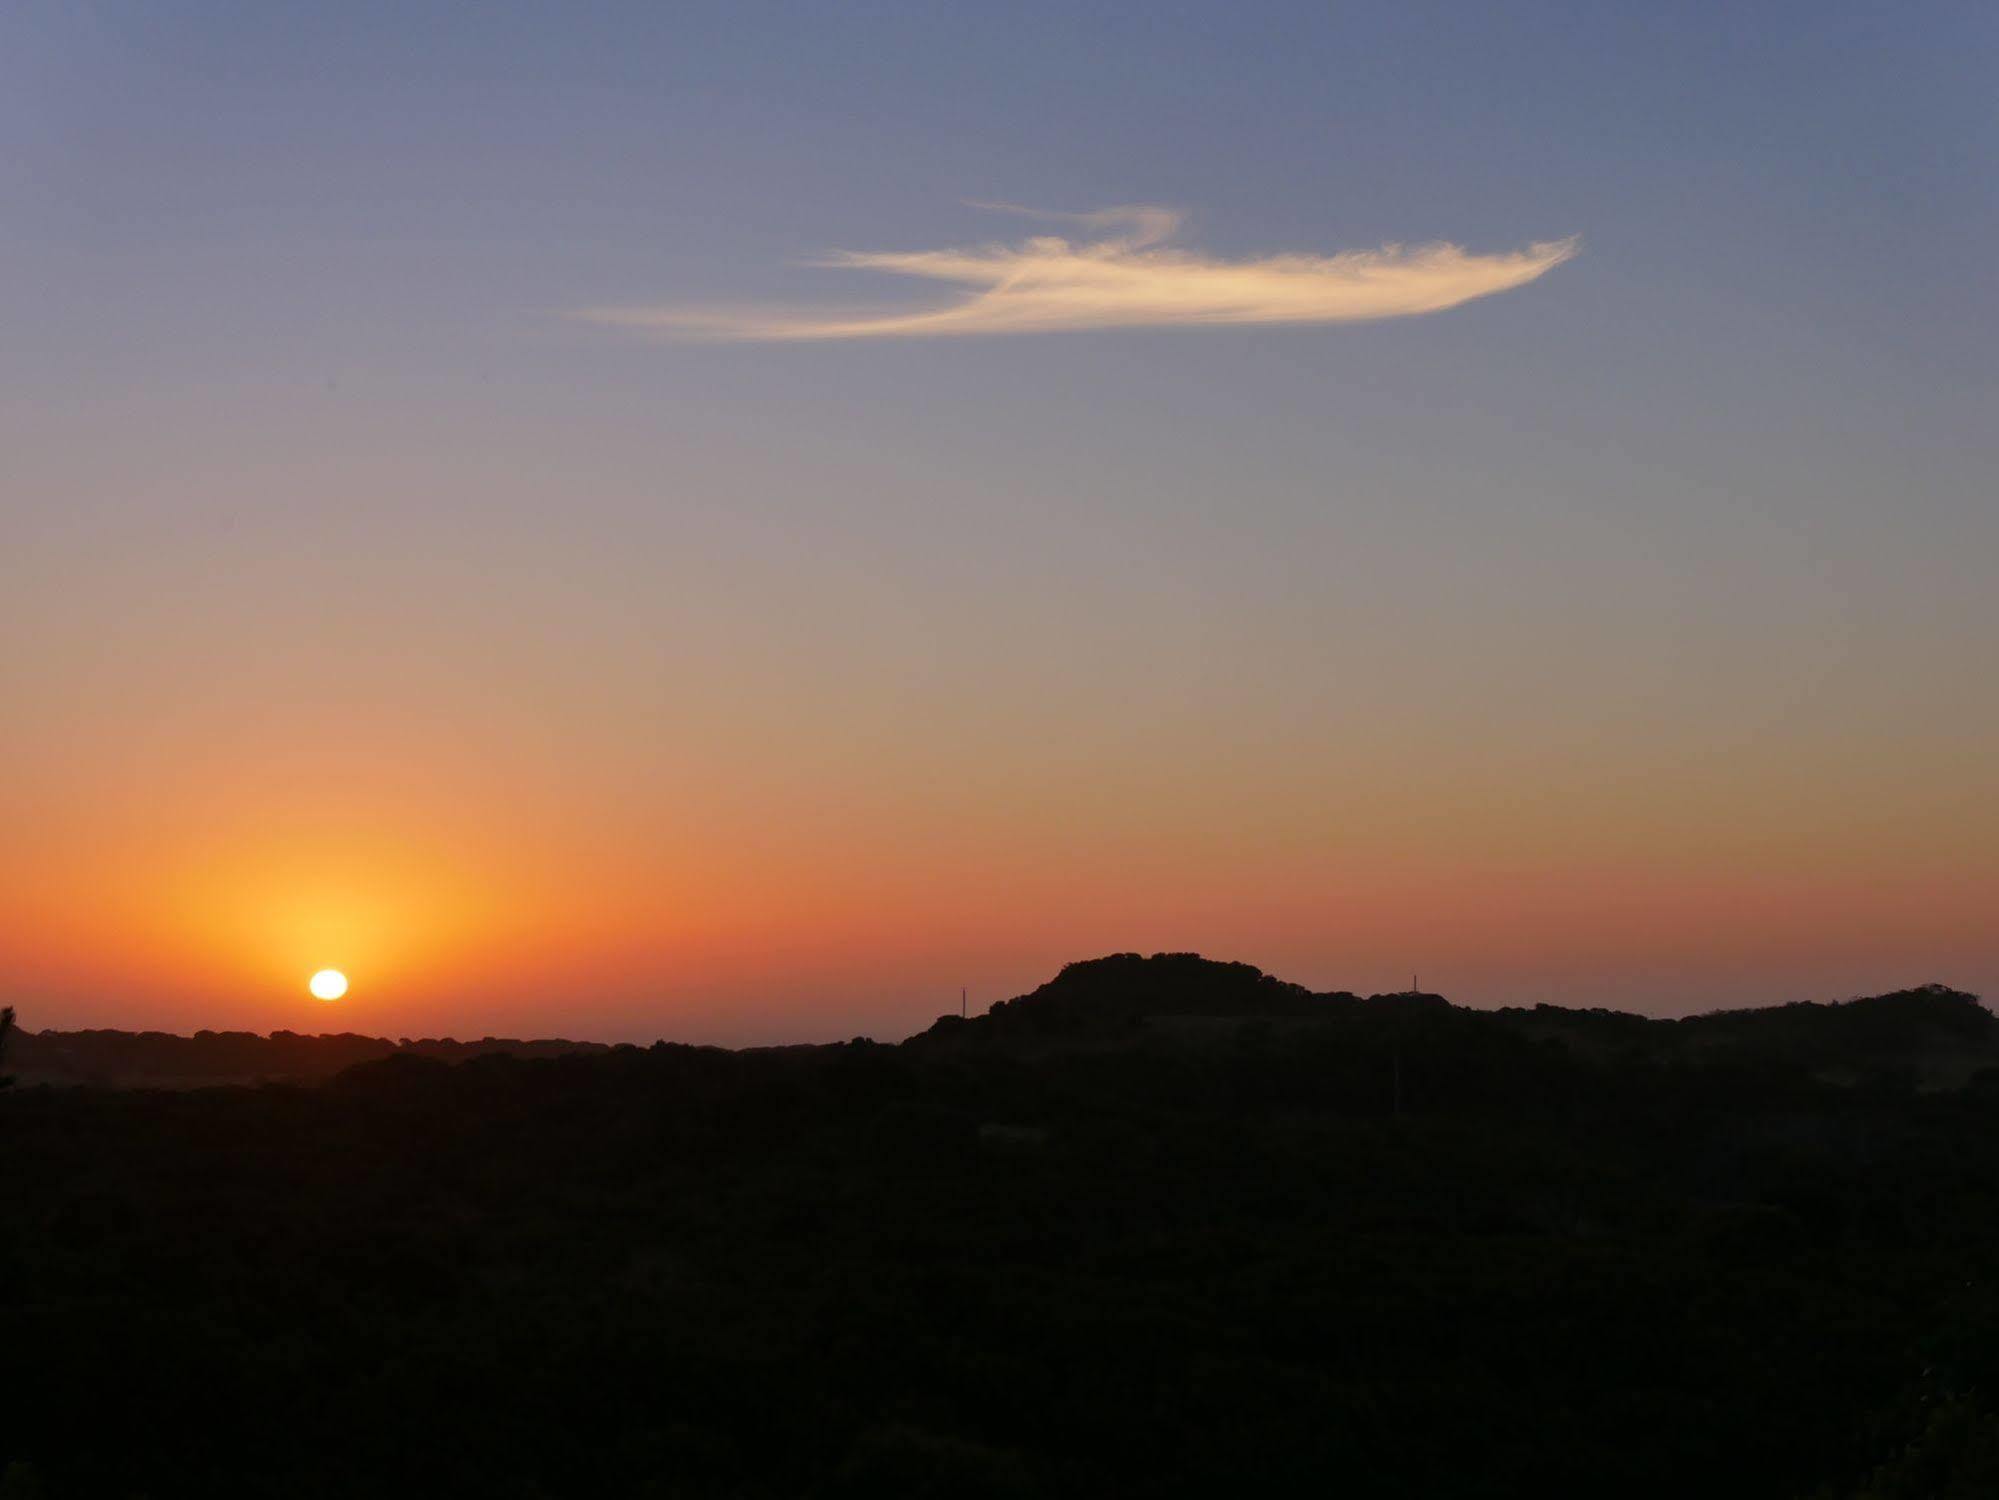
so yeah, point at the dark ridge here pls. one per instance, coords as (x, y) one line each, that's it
(1936, 1035)
(162, 1059)
(1932, 1036)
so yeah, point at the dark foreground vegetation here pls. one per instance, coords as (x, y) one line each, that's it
(1163, 1228)
(159, 1059)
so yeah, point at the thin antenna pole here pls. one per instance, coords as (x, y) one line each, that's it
(961, 1002)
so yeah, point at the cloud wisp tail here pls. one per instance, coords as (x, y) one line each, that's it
(1131, 276)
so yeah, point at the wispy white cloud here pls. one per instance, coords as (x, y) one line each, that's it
(1130, 276)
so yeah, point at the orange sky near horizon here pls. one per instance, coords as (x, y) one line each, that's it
(496, 879)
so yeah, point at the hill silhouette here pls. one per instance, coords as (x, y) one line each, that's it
(1162, 1227)
(1932, 1035)
(1935, 1035)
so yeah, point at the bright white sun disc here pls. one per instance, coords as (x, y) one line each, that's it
(328, 984)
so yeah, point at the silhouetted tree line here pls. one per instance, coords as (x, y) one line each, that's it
(1133, 1240)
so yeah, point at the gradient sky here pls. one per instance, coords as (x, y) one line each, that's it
(1625, 637)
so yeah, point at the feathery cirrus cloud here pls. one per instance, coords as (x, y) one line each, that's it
(1127, 278)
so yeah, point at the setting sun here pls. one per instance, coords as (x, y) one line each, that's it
(328, 984)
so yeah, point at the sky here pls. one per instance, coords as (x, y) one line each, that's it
(731, 522)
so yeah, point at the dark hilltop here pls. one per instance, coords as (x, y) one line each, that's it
(1931, 1036)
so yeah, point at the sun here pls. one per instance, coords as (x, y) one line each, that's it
(328, 984)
